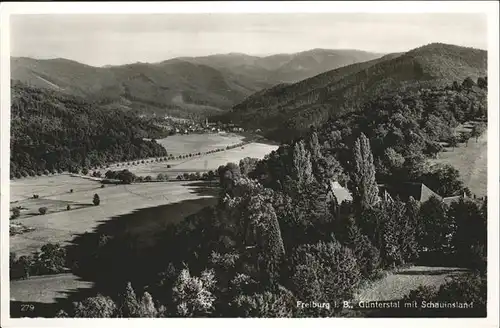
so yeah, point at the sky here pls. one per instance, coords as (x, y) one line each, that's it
(107, 39)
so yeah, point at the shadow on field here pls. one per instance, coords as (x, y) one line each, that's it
(120, 250)
(205, 188)
(250, 137)
(432, 272)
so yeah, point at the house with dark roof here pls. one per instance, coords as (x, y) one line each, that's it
(419, 191)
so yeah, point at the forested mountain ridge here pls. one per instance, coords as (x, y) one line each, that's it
(183, 87)
(176, 88)
(51, 131)
(290, 110)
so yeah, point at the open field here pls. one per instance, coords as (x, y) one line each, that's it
(138, 210)
(398, 284)
(194, 143)
(203, 163)
(61, 226)
(21, 189)
(46, 289)
(471, 161)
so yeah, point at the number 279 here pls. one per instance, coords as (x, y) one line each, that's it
(27, 307)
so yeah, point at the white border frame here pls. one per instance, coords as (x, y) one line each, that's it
(490, 8)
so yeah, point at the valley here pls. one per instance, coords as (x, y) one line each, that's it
(109, 215)
(165, 203)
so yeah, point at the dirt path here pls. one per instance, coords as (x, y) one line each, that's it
(398, 284)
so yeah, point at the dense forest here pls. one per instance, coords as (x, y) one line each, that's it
(279, 235)
(287, 111)
(54, 132)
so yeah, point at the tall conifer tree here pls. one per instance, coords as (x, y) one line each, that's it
(302, 166)
(363, 185)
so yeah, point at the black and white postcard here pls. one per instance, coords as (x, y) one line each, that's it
(249, 160)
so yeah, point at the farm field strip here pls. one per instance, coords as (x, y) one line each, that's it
(194, 143)
(205, 162)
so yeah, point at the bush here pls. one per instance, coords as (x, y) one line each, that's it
(45, 172)
(103, 186)
(278, 304)
(324, 272)
(42, 210)
(95, 307)
(148, 178)
(169, 166)
(71, 190)
(16, 212)
(125, 176)
(469, 288)
(96, 200)
(68, 207)
(85, 171)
